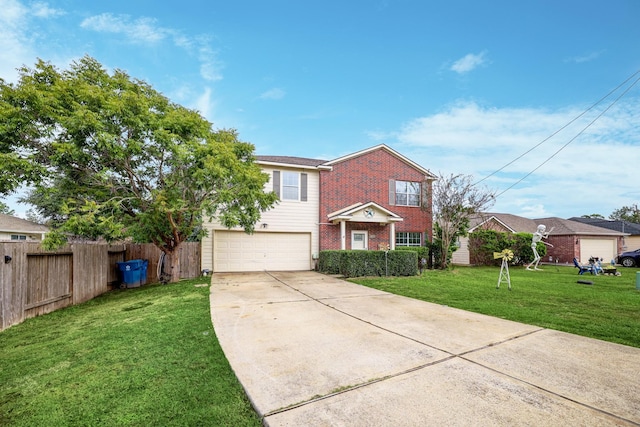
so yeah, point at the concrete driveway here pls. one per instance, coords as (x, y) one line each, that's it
(313, 350)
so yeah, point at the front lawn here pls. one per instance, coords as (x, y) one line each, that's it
(609, 309)
(139, 357)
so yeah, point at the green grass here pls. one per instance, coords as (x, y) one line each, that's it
(607, 310)
(140, 357)
(149, 356)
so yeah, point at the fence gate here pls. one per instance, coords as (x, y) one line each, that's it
(49, 282)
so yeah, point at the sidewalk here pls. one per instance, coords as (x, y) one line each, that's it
(312, 350)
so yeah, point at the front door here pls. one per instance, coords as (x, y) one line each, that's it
(359, 240)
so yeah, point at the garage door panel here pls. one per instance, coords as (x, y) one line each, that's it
(601, 248)
(238, 251)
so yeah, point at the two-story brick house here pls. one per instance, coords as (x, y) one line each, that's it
(371, 199)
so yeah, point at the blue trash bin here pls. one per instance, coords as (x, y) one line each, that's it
(143, 272)
(130, 273)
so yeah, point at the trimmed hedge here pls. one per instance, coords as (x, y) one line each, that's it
(329, 262)
(368, 263)
(423, 254)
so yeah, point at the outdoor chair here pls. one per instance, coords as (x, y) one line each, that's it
(583, 268)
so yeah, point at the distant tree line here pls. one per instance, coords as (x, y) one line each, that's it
(625, 213)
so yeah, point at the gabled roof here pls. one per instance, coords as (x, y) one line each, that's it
(348, 212)
(518, 224)
(426, 172)
(621, 226)
(289, 161)
(12, 224)
(327, 164)
(565, 227)
(303, 162)
(514, 223)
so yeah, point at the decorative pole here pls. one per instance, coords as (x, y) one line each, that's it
(506, 255)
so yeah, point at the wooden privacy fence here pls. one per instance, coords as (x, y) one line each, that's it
(34, 281)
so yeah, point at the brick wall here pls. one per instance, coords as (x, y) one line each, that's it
(564, 249)
(365, 179)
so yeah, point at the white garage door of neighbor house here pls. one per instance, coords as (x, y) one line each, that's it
(237, 251)
(601, 248)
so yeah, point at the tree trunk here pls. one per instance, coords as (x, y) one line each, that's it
(172, 265)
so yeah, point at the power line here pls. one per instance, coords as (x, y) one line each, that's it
(577, 135)
(561, 129)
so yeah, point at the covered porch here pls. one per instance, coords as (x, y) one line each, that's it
(367, 214)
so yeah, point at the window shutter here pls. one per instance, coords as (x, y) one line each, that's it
(303, 187)
(276, 183)
(392, 192)
(424, 194)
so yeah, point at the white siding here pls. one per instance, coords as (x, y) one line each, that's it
(6, 235)
(632, 243)
(285, 217)
(461, 255)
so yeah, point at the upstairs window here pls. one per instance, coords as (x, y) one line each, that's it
(290, 185)
(407, 193)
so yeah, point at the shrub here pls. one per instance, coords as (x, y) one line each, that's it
(329, 262)
(369, 263)
(421, 251)
(483, 243)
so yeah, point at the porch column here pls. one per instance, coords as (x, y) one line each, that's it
(392, 236)
(343, 235)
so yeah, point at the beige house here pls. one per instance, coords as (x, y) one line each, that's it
(18, 229)
(287, 236)
(367, 200)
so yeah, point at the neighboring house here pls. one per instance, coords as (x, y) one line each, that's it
(630, 243)
(18, 229)
(570, 239)
(501, 222)
(371, 199)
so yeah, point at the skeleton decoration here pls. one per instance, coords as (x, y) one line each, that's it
(540, 234)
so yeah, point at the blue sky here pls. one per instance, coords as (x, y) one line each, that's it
(457, 86)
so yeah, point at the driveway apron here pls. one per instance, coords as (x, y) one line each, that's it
(314, 350)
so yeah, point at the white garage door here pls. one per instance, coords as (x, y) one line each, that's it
(238, 251)
(600, 248)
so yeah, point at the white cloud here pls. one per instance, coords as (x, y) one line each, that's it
(141, 30)
(595, 173)
(469, 62)
(210, 66)
(591, 56)
(205, 105)
(15, 41)
(273, 94)
(42, 10)
(146, 30)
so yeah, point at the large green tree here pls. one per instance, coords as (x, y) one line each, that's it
(116, 159)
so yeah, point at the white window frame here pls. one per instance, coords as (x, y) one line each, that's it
(290, 186)
(18, 237)
(411, 198)
(408, 238)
